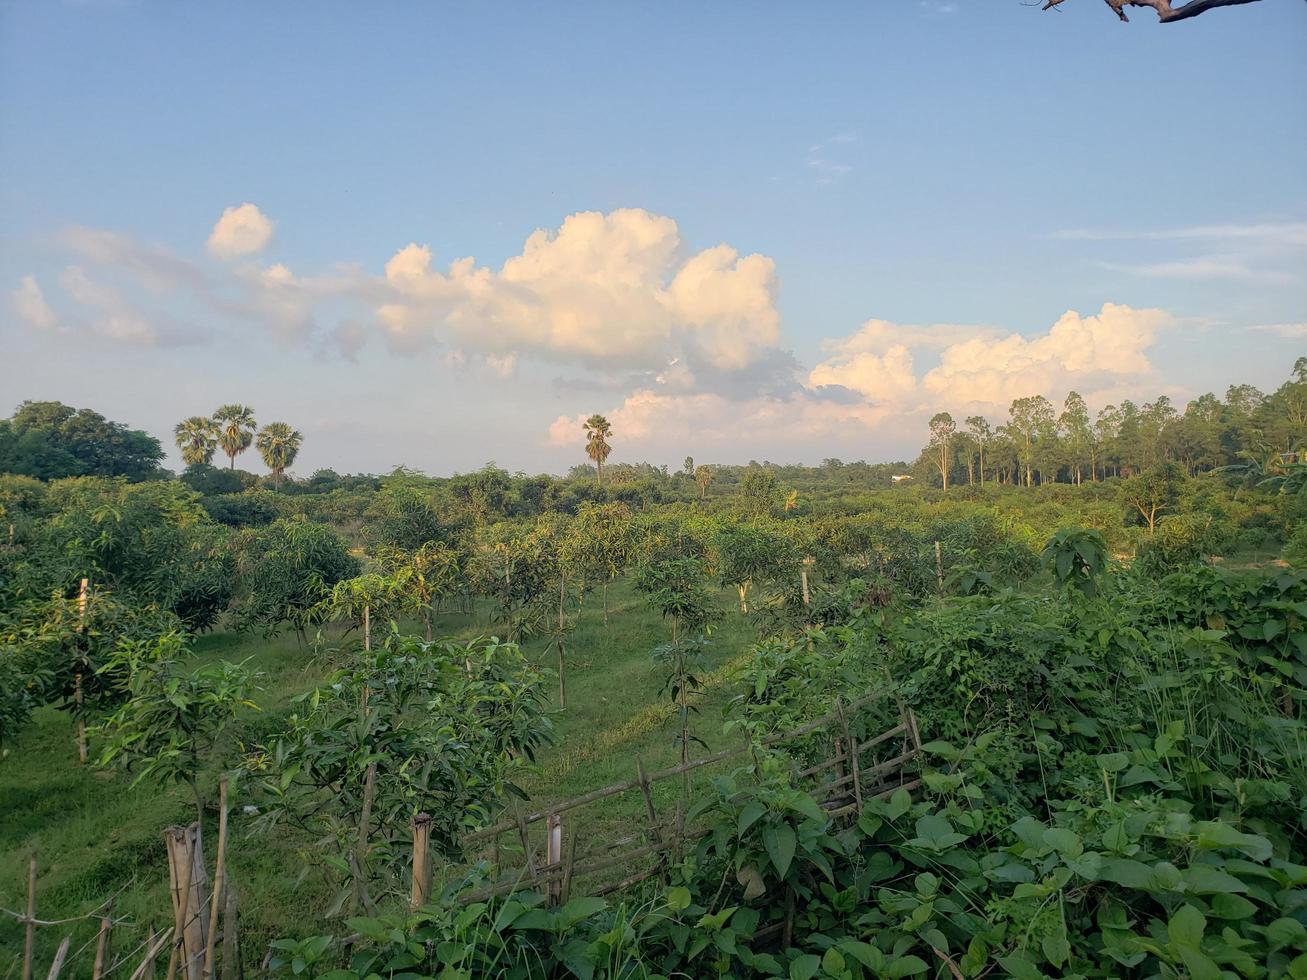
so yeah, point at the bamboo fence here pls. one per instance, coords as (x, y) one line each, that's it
(553, 849)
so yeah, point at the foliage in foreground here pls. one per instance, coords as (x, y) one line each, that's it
(1122, 798)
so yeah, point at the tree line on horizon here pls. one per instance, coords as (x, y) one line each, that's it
(1038, 443)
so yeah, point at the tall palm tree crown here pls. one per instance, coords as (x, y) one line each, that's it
(596, 443)
(197, 438)
(235, 429)
(278, 444)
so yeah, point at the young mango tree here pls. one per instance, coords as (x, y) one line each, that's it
(598, 544)
(365, 600)
(430, 574)
(285, 570)
(174, 719)
(677, 588)
(747, 553)
(58, 651)
(444, 728)
(512, 566)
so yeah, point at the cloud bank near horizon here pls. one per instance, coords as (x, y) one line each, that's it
(679, 342)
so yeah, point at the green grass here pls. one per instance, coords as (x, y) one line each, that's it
(97, 837)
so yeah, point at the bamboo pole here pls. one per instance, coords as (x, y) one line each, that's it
(77, 694)
(554, 854)
(29, 931)
(219, 879)
(421, 862)
(939, 568)
(857, 756)
(57, 965)
(147, 963)
(569, 863)
(367, 627)
(179, 868)
(652, 814)
(102, 945)
(186, 865)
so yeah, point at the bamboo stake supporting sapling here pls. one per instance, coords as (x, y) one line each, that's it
(29, 932)
(421, 862)
(553, 852)
(180, 869)
(219, 878)
(77, 691)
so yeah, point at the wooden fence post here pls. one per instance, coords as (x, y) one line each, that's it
(421, 862)
(29, 932)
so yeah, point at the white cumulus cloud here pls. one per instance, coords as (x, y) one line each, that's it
(242, 230)
(610, 288)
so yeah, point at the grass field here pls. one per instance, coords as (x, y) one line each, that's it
(99, 838)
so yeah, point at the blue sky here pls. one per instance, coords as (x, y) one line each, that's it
(926, 189)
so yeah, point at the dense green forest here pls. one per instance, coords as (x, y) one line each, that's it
(1099, 624)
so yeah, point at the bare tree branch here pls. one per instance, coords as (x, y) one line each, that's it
(1165, 12)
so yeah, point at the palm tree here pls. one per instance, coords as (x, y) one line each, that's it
(703, 477)
(235, 429)
(596, 444)
(278, 444)
(197, 438)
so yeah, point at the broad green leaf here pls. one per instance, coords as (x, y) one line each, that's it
(678, 898)
(1124, 871)
(1227, 906)
(1203, 879)
(780, 841)
(1213, 834)
(804, 967)
(1065, 842)
(748, 816)
(899, 804)
(832, 962)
